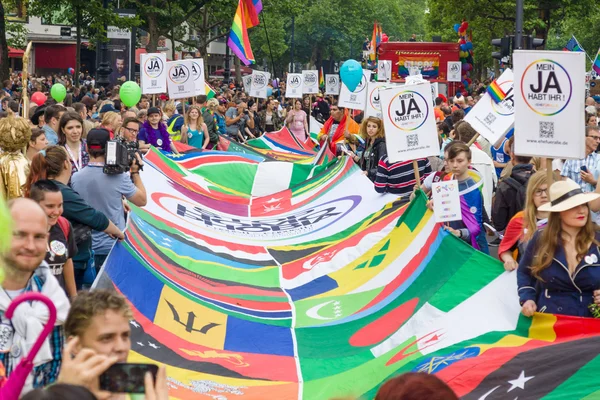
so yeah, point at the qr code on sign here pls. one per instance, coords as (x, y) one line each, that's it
(154, 82)
(489, 119)
(412, 140)
(546, 130)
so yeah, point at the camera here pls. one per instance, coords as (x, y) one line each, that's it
(120, 155)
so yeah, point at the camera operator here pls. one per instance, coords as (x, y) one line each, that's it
(105, 192)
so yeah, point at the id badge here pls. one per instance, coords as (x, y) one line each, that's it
(6, 337)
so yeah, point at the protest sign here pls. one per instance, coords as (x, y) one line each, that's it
(247, 81)
(260, 81)
(410, 130)
(293, 88)
(180, 80)
(310, 82)
(454, 70)
(384, 70)
(492, 119)
(373, 108)
(332, 84)
(153, 73)
(549, 108)
(198, 74)
(446, 201)
(356, 100)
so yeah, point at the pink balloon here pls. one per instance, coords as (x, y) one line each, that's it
(39, 98)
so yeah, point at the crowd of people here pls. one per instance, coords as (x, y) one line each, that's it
(67, 212)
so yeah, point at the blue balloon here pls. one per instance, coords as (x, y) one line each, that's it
(469, 45)
(269, 91)
(463, 47)
(351, 74)
(456, 27)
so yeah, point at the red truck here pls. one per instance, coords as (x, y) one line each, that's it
(431, 58)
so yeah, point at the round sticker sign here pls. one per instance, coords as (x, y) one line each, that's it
(295, 82)
(153, 66)
(374, 98)
(310, 78)
(259, 81)
(179, 74)
(196, 70)
(408, 110)
(546, 87)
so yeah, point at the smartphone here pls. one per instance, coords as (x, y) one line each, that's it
(583, 168)
(126, 378)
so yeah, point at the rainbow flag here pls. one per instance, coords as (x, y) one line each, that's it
(246, 17)
(259, 279)
(321, 78)
(573, 45)
(496, 92)
(596, 64)
(374, 41)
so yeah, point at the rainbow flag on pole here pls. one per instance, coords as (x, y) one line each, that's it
(596, 64)
(245, 17)
(496, 92)
(321, 78)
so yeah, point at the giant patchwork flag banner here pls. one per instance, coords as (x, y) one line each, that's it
(325, 289)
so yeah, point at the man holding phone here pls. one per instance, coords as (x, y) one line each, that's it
(98, 333)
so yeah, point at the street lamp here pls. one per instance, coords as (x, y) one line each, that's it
(104, 69)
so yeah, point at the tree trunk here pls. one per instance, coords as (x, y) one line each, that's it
(152, 45)
(238, 70)
(78, 49)
(4, 61)
(172, 33)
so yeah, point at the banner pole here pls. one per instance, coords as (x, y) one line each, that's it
(417, 175)
(153, 100)
(549, 172)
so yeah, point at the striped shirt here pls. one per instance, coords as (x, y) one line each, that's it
(45, 374)
(399, 178)
(572, 168)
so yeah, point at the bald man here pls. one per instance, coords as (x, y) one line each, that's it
(590, 101)
(26, 271)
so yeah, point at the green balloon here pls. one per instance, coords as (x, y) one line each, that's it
(130, 93)
(58, 92)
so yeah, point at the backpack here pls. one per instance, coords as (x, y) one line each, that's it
(65, 226)
(521, 190)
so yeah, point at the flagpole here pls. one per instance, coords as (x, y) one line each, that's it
(262, 16)
(581, 47)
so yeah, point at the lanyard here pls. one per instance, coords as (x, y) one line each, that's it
(78, 162)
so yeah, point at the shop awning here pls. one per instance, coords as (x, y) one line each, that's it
(15, 53)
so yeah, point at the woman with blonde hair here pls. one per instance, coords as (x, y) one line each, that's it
(111, 121)
(559, 272)
(526, 223)
(371, 130)
(194, 131)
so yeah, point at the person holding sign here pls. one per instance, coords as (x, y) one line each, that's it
(337, 128)
(559, 272)
(470, 228)
(372, 131)
(526, 223)
(154, 133)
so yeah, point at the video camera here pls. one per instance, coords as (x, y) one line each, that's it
(120, 156)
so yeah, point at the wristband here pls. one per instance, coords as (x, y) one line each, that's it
(134, 173)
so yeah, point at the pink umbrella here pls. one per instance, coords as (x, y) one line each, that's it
(11, 388)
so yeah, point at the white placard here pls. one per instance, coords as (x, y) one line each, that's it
(260, 81)
(493, 120)
(549, 108)
(446, 201)
(293, 87)
(373, 102)
(435, 91)
(356, 100)
(247, 81)
(198, 74)
(454, 71)
(153, 73)
(332, 84)
(310, 82)
(384, 70)
(410, 130)
(180, 80)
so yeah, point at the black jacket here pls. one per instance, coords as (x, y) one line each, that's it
(510, 196)
(371, 156)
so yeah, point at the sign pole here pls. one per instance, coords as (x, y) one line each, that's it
(549, 172)
(473, 140)
(417, 174)
(153, 100)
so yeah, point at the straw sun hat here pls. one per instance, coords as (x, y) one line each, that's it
(565, 195)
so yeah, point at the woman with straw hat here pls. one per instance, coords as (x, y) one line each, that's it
(560, 270)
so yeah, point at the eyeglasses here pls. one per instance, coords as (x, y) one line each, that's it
(131, 130)
(539, 192)
(596, 138)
